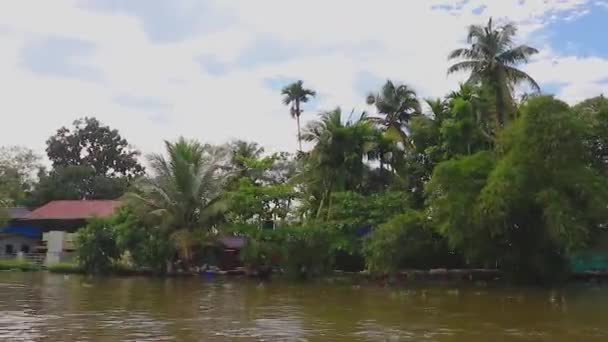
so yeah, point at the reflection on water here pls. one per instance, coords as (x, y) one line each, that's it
(47, 307)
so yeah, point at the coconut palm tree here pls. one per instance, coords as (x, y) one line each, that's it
(294, 95)
(397, 103)
(185, 191)
(492, 59)
(336, 162)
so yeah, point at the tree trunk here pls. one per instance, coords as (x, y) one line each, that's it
(299, 133)
(500, 105)
(298, 120)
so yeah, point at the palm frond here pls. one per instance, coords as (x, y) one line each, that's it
(517, 76)
(463, 66)
(519, 54)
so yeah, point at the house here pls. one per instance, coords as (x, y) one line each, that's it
(229, 252)
(16, 237)
(50, 228)
(68, 216)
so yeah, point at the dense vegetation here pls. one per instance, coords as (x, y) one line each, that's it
(472, 179)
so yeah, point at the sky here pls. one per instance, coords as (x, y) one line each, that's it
(212, 70)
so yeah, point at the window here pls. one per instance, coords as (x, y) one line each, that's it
(25, 249)
(8, 249)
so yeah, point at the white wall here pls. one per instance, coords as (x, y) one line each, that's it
(56, 244)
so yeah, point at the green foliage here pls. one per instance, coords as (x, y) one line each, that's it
(17, 265)
(264, 248)
(262, 193)
(539, 202)
(406, 241)
(301, 252)
(336, 162)
(252, 203)
(397, 103)
(187, 186)
(90, 161)
(17, 168)
(309, 250)
(492, 60)
(75, 183)
(594, 113)
(96, 246)
(65, 268)
(94, 145)
(294, 95)
(354, 209)
(452, 193)
(147, 245)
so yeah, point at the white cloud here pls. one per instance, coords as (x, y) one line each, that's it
(411, 40)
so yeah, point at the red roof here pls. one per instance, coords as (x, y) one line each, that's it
(72, 210)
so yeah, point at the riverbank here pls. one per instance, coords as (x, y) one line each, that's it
(356, 278)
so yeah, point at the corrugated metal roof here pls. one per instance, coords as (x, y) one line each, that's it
(72, 210)
(233, 242)
(16, 213)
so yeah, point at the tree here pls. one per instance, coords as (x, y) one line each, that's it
(17, 174)
(185, 192)
(406, 241)
(397, 103)
(75, 183)
(492, 60)
(96, 246)
(537, 199)
(336, 160)
(594, 112)
(94, 145)
(294, 95)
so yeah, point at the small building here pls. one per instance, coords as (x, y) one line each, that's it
(18, 238)
(68, 216)
(50, 228)
(229, 252)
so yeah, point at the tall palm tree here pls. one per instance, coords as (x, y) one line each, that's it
(294, 95)
(336, 162)
(184, 192)
(492, 59)
(397, 103)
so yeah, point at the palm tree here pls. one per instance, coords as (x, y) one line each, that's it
(397, 103)
(336, 162)
(294, 95)
(492, 60)
(184, 192)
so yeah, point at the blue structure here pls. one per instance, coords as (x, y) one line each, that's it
(28, 231)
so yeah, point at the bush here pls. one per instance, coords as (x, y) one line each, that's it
(308, 250)
(301, 251)
(96, 246)
(147, 245)
(264, 248)
(406, 241)
(64, 267)
(17, 265)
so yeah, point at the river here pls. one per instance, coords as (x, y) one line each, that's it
(47, 307)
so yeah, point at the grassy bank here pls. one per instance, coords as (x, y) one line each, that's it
(17, 265)
(65, 268)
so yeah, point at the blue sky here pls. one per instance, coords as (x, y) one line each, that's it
(213, 69)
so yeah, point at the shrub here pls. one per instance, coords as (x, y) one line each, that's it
(308, 250)
(64, 267)
(96, 246)
(148, 246)
(17, 264)
(406, 241)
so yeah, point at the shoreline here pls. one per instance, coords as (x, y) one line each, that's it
(440, 276)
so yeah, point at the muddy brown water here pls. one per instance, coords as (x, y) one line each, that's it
(47, 307)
